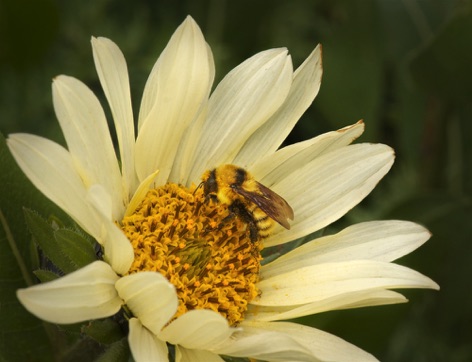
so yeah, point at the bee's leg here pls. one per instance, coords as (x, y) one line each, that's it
(239, 209)
(253, 232)
(223, 222)
(227, 219)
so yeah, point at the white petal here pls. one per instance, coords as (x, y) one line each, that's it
(195, 355)
(50, 168)
(144, 345)
(264, 345)
(188, 142)
(178, 87)
(185, 155)
(101, 199)
(322, 191)
(322, 346)
(113, 73)
(358, 299)
(241, 103)
(150, 297)
(118, 250)
(268, 137)
(375, 240)
(199, 329)
(86, 131)
(88, 293)
(140, 193)
(277, 166)
(322, 281)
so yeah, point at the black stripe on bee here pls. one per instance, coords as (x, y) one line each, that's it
(241, 176)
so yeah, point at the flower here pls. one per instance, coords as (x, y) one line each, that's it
(186, 272)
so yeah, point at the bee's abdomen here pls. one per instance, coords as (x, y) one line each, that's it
(263, 222)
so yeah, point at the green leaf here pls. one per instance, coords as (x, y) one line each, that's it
(78, 249)
(45, 275)
(118, 352)
(23, 337)
(106, 331)
(66, 249)
(84, 349)
(74, 329)
(43, 234)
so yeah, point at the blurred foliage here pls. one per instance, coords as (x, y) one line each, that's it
(401, 65)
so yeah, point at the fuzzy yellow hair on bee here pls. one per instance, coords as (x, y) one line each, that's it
(254, 203)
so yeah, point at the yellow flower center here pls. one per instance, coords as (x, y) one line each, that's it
(210, 260)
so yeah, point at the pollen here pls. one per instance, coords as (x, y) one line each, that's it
(207, 256)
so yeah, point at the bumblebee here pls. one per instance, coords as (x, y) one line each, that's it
(255, 204)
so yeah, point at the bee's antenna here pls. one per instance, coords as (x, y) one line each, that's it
(199, 185)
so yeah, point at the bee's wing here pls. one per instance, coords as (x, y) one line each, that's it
(271, 203)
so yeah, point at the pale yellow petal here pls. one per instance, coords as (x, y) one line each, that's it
(118, 250)
(150, 297)
(264, 345)
(322, 281)
(323, 190)
(348, 300)
(88, 138)
(321, 346)
(88, 293)
(140, 193)
(277, 166)
(195, 355)
(113, 73)
(144, 345)
(51, 169)
(245, 99)
(374, 240)
(175, 93)
(185, 156)
(267, 138)
(199, 329)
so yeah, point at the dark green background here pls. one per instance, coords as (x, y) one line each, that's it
(403, 66)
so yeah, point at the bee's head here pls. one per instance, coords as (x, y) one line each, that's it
(209, 184)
